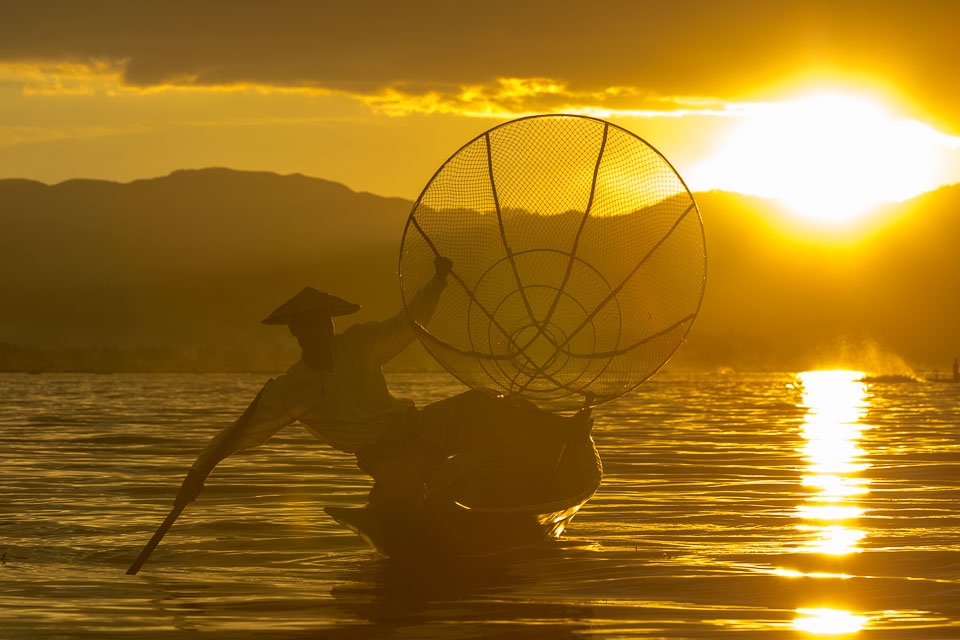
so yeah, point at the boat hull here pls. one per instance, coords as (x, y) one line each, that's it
(451, 528)
(454, 531)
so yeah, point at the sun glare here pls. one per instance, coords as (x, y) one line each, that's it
(829, 157)
(836, 403)
(825, 621)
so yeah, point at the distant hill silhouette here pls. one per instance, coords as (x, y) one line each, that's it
(176, 273)
(782, 295)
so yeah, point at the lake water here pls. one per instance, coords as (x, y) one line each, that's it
(733, 506)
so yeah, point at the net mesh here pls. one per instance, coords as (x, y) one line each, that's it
(578, 261)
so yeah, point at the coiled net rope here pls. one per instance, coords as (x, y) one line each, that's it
(578, 261)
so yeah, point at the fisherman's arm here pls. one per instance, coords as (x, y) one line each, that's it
(395, 333)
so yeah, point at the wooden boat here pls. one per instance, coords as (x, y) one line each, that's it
(517, 503)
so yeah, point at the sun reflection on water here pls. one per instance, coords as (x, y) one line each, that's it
(836, 403)
(828, 621)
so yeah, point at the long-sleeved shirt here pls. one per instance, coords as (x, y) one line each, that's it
(348, 408)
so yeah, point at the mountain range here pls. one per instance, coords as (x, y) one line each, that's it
(175, 273)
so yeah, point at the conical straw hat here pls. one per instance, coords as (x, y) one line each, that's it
(311, 300)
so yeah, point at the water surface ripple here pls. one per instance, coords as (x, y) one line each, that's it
(733, 506)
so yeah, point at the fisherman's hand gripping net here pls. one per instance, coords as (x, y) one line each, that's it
(578, 261)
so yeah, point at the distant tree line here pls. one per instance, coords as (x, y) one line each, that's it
(112, 359)
(163, 359)
(702, 351)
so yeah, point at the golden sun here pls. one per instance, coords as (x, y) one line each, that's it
(829, 157)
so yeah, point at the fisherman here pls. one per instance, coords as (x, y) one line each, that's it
(337, 390)
(470, 448)
(956, 369)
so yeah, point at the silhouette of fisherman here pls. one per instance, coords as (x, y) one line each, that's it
(956, 369)
(338, 392)
(468, 447)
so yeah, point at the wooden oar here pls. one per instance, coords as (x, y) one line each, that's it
(193, 484)
(155, 540)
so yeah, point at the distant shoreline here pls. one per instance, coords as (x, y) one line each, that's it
(101, 359)
(168, 359)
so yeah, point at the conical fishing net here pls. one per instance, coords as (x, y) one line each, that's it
(578, 261)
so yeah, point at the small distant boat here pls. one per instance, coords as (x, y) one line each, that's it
(495, 518)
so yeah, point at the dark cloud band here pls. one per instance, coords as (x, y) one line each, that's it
(724, 49)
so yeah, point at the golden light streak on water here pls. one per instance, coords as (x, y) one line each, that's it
(834, 540)
(833, 486)
(836, 404)
(828, 621)
(792, 573)
(829, 512)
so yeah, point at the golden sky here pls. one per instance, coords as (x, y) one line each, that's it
(813, 102)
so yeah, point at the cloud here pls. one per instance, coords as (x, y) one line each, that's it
(424, 56)
(61, 78)
(10, 136)
(503, 97)
(362, 45)
(515, 97)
